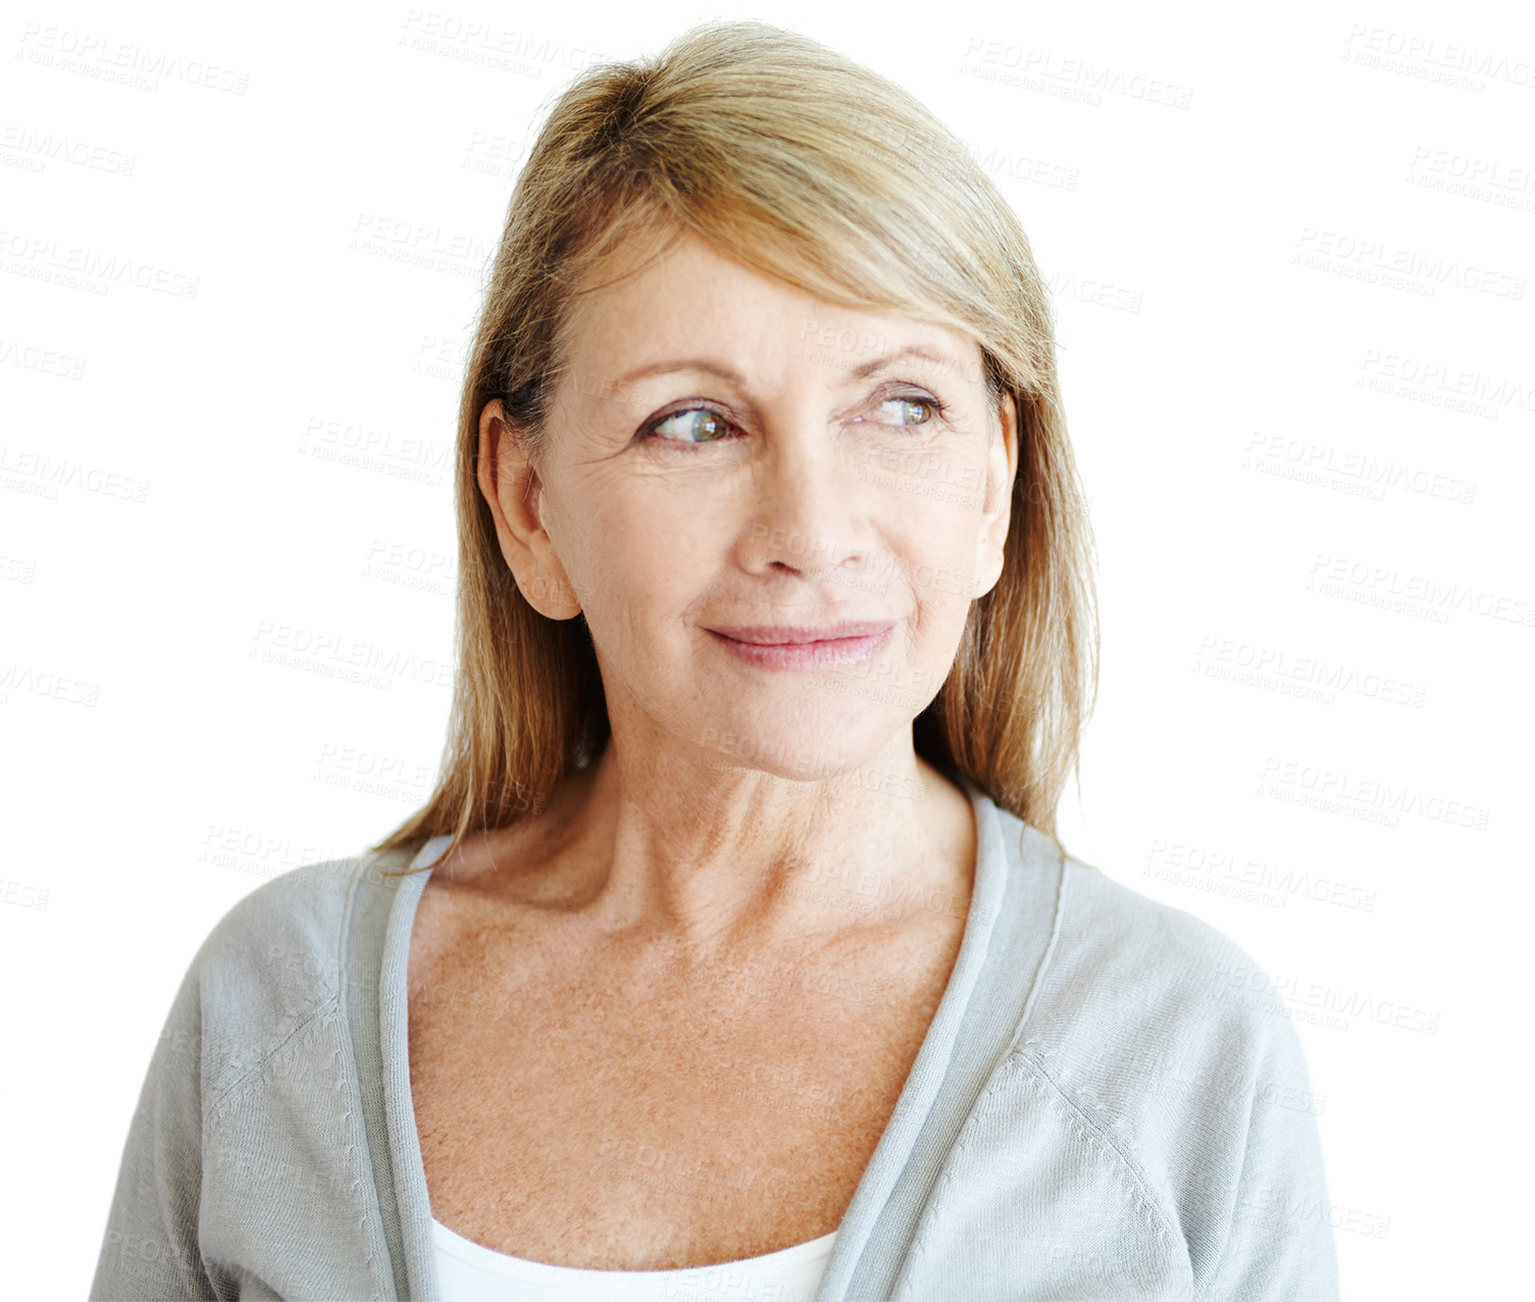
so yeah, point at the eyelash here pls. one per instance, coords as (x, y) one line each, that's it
(648, 433)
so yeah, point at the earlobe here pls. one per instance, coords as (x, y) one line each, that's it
(511, 487)
(988, 569)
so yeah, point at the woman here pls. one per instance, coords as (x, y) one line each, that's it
(735, 953)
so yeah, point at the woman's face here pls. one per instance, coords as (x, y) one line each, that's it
(732, 469)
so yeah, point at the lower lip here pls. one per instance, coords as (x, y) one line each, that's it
(805, 655)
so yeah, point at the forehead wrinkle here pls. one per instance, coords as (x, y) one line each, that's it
(784, 321)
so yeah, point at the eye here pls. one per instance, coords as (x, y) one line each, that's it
(913, 408)
(691, 425)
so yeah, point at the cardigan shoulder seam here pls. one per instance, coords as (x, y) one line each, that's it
(327, 1000)
(1145, 1198)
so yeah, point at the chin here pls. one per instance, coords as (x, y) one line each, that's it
(795, 756)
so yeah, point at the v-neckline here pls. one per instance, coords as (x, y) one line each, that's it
(886, 1163)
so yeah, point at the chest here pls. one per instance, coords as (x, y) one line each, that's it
(588, 1114)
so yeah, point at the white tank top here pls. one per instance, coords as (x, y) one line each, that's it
(471, 1272)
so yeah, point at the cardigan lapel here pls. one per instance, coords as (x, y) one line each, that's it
(377, 938)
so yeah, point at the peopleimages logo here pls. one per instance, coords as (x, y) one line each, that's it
(1429, 58)
(1373, 584)
(1475, 170)
(108, 59)
(1260, 664)
(1066, 77)
(1318, 1003)
(41, 258)
(34, 150)
(1378, 260)
(1339, 791)
(1358, 473)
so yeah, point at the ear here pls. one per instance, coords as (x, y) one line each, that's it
(512, 488)
(997, 499)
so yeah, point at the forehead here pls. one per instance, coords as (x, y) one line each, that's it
(678, 295)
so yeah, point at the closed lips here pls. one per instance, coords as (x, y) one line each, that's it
(781, 635)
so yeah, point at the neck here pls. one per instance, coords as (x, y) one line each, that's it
(702, 857)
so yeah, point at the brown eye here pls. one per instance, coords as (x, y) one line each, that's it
(912, 410)
(693, 425)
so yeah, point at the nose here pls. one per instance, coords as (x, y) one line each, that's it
(807, 516)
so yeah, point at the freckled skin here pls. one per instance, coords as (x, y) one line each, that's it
(666, 1021)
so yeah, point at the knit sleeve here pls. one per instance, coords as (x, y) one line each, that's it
(150, 1247)
(1279, 1246)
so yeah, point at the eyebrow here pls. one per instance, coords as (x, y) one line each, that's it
(711, 367)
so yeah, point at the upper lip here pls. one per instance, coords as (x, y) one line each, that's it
(780, 634)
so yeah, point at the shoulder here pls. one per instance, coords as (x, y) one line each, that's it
(1170, 1041)
(1116, 932)
(291, 919)
(1153, 1069)
(1132, 999)
(1117, 954)
(274, 961)
(1138, 993)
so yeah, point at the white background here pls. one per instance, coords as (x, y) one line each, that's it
(1267, 292)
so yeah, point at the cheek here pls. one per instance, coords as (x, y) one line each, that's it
(936, 490)
(640, 563)
(938, 544)
(937, 565)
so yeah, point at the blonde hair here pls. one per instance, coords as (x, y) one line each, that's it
(806, 167)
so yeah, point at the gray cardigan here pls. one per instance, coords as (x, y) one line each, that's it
(1110, 1103)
